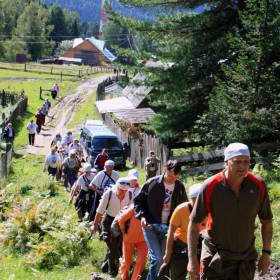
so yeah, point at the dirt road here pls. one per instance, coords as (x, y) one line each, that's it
(61, 115)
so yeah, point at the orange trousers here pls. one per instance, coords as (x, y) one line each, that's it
(127, 259)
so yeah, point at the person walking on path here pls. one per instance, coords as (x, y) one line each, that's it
(176, 253)
(53, 163)
(132, 239)
(151, 165)
(101, 182)
(231, 200)
(9, 133)
(154, 206)
(134, 186)
(85, 197)
(31, 127)
(54, 91)
(39, 120)
(112, 201)
(101, 159)
(70, 168)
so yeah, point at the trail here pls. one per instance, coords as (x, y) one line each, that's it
(61, 115)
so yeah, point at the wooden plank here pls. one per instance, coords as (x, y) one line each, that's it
(199, 156)
(206, 168)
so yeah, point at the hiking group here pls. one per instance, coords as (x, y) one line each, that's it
(209, 237)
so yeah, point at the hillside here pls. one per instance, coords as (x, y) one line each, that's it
(90, 10)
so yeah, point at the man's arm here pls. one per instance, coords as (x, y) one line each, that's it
(193, 235)
(266, 233)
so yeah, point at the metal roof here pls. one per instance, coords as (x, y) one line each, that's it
(113, 105)
(135, 116)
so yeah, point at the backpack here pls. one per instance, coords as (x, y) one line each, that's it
(115, 227)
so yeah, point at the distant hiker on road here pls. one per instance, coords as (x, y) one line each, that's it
(78, 148)
(9, 133)
(53, 163)
(68, 138)
(54, 91)
(231, 199)
(39, 120)
(151, 165)
(101, 159)
(31, 127)
(56, 140)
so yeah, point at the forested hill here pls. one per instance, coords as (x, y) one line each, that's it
(89, 10)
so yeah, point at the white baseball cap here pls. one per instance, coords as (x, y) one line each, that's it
(194, 190)
(109, 162)
(87, 167)
(133, 175)
(122, 183)
(236, 149)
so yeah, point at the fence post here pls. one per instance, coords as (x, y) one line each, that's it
(61, 76)
(24, 67)
(79, 73)
(51, 70)
(40, 95)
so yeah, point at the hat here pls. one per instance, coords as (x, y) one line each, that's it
(122, 184)
(236, 149)
(87, 167)
(109, 163)
(194, 190)
(72, 152)
(133, 175)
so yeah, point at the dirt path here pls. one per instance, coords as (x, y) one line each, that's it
(61, 115)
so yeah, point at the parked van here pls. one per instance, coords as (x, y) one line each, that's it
(95, 136)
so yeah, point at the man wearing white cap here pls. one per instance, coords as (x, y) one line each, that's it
(85, 198)
(112, 201)
(101, 182)
(231, 200)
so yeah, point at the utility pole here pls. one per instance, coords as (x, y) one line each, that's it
(101, 21)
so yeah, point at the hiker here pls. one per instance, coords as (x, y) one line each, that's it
(112, 201)
(68, 138)
(176, 253)
(9, 133)
(132, 239)
(101, 182)
(47, 105)
(39, 120)
(53, 163)
(54, 91)
(56, 140)
(44, 113)
(77, 147)
(151, 165)
(85, 197)
(231, 200)
(154, 206)
(134, 186)
(70, 167)
(101, 159)
(31, 127)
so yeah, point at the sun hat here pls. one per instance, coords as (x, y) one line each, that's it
(87, 167)
(109, 163)
(194, 190)
(122, 184)
(133, 175)
(236, 149)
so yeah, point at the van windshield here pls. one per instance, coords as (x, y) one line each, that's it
(108, 143)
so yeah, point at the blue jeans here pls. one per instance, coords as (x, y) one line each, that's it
(156, 245)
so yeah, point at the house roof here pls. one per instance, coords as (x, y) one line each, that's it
(99, 44)
(70, 59)
(135, 116)
(136, 93)
(113, 105)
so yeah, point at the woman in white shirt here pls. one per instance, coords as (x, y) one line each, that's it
(31, 127)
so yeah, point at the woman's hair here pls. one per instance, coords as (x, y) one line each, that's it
(173, 165)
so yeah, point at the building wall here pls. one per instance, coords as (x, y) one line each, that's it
(88, 53)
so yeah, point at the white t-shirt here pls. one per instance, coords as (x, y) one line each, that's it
(84, 181)
(32, 128)
(53, 161)
(103, 181)
(167, 202)
(115, 205)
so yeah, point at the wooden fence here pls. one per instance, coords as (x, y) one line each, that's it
(56, 70)
(139, 148)
(5, 162)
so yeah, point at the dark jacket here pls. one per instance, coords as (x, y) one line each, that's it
(149, 202)
(6, 133)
